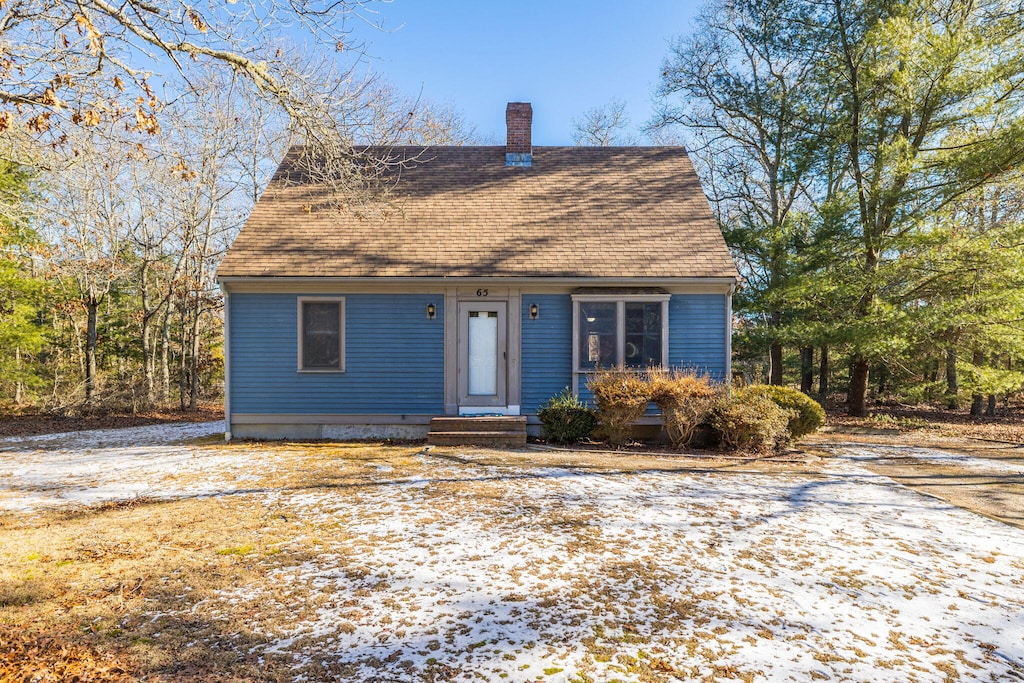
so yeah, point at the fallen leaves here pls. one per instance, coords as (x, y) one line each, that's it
(56, 658)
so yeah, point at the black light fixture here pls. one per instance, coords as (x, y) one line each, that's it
(431, 311)
(534, 311)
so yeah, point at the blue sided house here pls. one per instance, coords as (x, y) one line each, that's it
(487, 281)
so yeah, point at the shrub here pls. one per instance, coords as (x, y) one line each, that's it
(685, 400)
(753, 423)
(809, 417)
(621, 397)
(566, 418)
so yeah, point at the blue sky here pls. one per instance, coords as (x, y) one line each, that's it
(564, 56)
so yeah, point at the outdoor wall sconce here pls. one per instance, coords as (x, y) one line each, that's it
(534, 311)
(431, 311)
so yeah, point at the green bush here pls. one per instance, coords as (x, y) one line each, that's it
(750, 423)
(621, 397)
(809, 415)
(685, 400)
(566, 419)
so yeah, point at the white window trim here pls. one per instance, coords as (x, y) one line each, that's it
(300, 301)
(620, 325)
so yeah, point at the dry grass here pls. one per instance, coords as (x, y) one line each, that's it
(101, 591)
(208, 588)
(117, 591)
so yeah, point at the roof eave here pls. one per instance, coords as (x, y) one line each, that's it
(255, 283)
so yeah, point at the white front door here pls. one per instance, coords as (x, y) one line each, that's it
(483, 354)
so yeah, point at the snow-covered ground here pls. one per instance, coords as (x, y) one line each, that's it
(433, 569)
(53, 470)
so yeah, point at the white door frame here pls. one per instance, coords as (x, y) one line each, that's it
(455, 297)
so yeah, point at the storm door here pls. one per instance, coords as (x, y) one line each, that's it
(483, 353)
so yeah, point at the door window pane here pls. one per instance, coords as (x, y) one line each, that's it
(643, 335)
(321, 335)
(597, 335)
(483, 353)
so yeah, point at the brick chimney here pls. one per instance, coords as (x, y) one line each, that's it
(519, 121)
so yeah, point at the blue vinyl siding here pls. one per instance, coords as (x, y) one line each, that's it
(696, 333)
(546, 349)
(394, 357)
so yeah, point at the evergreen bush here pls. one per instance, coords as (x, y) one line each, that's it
(566, 419)
(809, 415)
(750, 423)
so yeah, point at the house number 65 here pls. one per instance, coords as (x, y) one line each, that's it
(481, 292)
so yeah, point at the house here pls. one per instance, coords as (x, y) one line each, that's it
(500, 276)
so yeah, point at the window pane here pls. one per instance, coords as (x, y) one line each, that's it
(643, 335)
(597, 335)
(483, 353)
(321, 335)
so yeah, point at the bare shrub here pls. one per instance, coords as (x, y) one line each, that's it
(685, 400)
(621, 397)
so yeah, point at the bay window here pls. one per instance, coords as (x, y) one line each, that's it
(619, 330)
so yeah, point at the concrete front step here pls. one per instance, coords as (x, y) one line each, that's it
(510, 423)
(477, 438)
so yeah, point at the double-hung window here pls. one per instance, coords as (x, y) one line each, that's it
(628, 330)
(321, 334)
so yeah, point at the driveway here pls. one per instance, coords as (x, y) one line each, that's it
(983, 476)
(361, 562)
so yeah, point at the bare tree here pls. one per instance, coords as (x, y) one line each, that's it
(104, 67)
(88, 218)
(604, 126)
(105, 61)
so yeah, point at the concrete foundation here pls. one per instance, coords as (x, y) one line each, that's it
(331, 432)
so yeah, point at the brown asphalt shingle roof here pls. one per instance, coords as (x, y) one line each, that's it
(596, 212)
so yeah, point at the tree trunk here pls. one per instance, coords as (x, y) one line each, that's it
(990, 409)
(977, 404)
(165, 350)
(977, 400)
(148, 358)
(857, 398)
(806, 369)
(92, 306)
(823, 375)
(18, 386)
(182, 364)
(952, 383)
(193, 398)
(775, 363)
(774, 350)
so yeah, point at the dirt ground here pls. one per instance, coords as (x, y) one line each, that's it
(1007, 425)
(29, 424)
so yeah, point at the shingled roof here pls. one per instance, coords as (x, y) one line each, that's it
(588, 212)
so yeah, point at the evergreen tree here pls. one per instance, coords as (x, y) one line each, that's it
(22, 336)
